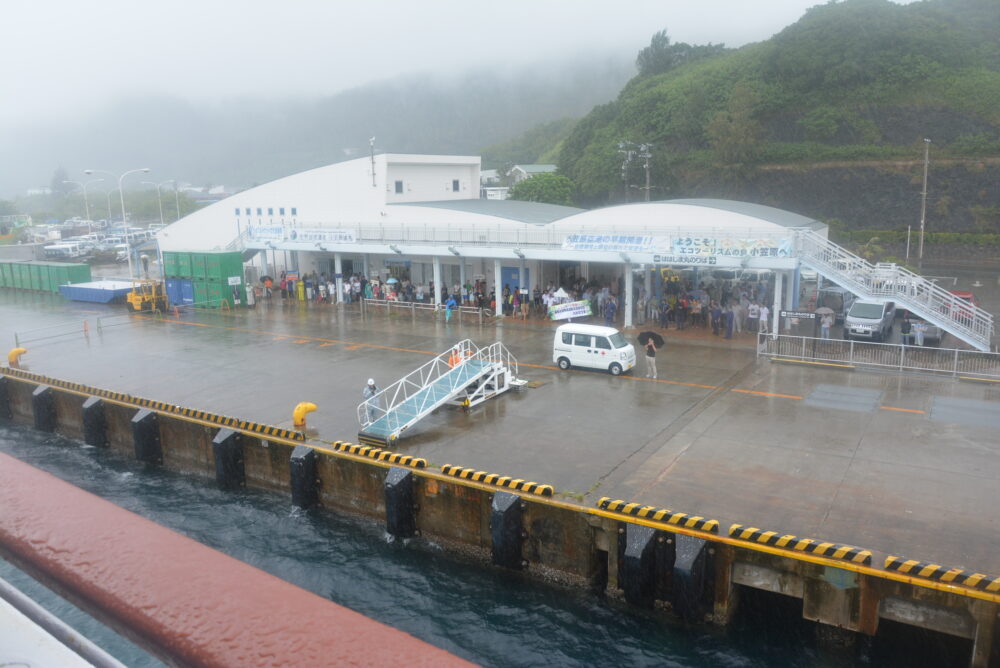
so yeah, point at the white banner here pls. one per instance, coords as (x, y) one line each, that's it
(580, 309)
(336, 236)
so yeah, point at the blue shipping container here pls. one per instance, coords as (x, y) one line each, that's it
(174, 291)
(187, 292)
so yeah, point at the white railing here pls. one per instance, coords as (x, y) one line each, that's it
(890, 281)
(412, 307)
(950, 361)
(409, 386)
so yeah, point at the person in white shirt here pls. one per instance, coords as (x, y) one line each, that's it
(764, 312)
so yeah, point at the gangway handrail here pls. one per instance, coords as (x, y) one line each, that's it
(890, 281)
(447, 365)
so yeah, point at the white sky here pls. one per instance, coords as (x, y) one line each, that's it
(67, 57)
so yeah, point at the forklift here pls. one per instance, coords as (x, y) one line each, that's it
(146, 295)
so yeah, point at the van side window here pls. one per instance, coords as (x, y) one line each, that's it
(601, 342)
(582, 340)
(567, 338)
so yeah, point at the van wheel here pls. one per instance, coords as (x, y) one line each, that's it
(563, 363)
(616, 369)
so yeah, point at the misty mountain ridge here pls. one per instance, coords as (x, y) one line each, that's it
(245, 141)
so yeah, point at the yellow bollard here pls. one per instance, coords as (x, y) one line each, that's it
(14, 357)
(299, 414)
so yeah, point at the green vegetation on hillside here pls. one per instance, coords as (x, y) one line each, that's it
(854, 80)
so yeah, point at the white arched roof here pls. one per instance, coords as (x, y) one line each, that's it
(719, 215)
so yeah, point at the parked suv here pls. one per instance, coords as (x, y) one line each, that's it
(869, 320)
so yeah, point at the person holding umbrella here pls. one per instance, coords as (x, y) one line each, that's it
(652, 342)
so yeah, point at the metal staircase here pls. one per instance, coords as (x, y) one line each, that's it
(915, 293)
(464, 375)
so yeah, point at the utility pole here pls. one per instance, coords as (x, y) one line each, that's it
(627, 150)
(645, 152)
(923, 203)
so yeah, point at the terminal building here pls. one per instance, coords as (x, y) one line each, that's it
(421, 218)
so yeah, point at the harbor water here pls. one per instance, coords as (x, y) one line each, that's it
(489, 616)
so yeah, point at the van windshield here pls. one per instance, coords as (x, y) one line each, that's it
(618, 341)
(869, 311)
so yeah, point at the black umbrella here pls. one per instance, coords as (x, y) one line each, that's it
(647, 335)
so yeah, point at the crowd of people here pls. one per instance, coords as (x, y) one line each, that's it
(727, 307)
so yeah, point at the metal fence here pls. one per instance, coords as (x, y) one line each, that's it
(412, 308)
(948, 361)
(71, 328)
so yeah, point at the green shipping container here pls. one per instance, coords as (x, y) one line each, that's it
(44, 278)
(58, 275)
(200, 292)
(17, 272)
(77, 273)
(184, 266)
(223, 266)
(199, 269)
(4, 275)
(34, 276)
(170, 265)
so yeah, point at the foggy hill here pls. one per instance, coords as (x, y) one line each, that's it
(246, 141)
(857, 83)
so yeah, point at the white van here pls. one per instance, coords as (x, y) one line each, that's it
(592, 347)
(871, 320)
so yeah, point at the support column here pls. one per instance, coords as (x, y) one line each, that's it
(461, 281)
(792, 300)
(585, 271)
(498, 289)
(647, 279)
(338, 269)
(629, 300)
(437, 282)
(365, 264)
(776, 309)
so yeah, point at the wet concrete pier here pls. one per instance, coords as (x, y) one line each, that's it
(899, 465)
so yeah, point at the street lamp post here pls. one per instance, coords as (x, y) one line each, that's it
(158, 200)
(923, 203)
(177, 201)
(86, 202)
(121, 194)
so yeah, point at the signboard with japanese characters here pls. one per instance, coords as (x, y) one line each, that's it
(266, 233)
(335, 236)
(580, 309)
(730, 247)
(622, 243)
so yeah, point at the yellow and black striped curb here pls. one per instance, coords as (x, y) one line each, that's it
(221, 420)
(498, 480)
(937, 572)
(855, 555)
(375, 441)
(379, 454)
(658, 514)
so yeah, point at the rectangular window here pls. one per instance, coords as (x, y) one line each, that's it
(237, 211)
(601, 342)
(270, 211)
(567, 338)
(281, 211)
(399, 187)
(454, 185)
(248, 211)
(259, 211)
(582, 340)
(295, 211)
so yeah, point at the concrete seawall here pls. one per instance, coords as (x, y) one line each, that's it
(651, 556)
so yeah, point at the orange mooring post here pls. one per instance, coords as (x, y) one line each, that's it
(14, 357)
(86, 328)
(183, 601)
(177, 311)
(300, 412)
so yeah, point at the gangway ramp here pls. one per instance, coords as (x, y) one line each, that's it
(464, 375)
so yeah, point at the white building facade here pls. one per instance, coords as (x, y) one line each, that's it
(421, 217)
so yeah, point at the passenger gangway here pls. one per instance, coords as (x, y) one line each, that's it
(464, 375)
(886, 281)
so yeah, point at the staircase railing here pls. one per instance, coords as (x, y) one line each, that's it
(890, 281)
(411, 384)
